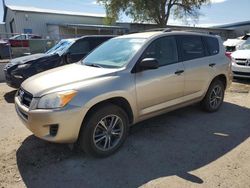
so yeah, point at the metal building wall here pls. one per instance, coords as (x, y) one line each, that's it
(242, 30)
(2, 28)
(38, 21)
(9, 17)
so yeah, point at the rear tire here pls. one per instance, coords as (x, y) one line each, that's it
(214, 96)
(104, 131)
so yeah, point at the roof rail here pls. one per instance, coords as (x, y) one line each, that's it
(165, 30)
(201, 32)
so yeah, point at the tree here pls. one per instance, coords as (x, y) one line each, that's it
(153, 11)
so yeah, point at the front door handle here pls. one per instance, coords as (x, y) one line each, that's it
(212, 64)
(179, 72)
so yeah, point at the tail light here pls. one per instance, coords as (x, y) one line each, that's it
(228, 54)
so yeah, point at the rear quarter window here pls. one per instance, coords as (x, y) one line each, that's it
(213, 46)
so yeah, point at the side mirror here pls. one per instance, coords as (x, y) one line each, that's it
(148, 63)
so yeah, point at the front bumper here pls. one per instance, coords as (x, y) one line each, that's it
(40, 122)
(12, 81)
(240, 71)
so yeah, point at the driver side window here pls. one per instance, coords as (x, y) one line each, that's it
(164, 50)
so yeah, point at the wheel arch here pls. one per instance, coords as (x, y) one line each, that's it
(222, 78)
(118, 101)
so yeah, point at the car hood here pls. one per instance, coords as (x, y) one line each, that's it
(241, 54)
(25, 59)
(64, 77)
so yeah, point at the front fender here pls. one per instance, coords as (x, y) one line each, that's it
(116, 94)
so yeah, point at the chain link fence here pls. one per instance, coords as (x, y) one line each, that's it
(14, 45)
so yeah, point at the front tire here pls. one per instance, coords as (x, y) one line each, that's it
(214, 96)
(104, 131)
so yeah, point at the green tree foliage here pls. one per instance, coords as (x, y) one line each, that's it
(153, 11)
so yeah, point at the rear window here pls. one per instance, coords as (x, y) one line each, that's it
(191, 47)
(230, 48)
(212, 45)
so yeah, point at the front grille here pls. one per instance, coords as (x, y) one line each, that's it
(24, 97)
(242, 62)
(242, 73)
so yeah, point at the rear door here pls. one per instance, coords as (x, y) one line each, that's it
(163, 87)
(198, 73)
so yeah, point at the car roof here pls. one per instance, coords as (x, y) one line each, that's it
(144, 35)
(97, 36)
(150, 34)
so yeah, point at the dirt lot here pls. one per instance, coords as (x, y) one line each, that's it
(184, 148)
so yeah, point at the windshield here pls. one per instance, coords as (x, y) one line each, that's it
(245, 46)
(60, 47)
(114, 53)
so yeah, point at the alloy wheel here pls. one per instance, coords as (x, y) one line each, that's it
(216, 97)
(108, 132)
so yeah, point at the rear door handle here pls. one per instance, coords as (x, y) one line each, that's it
(178, 72)
(212, 64)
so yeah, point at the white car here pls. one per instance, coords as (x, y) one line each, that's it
(241, 61)
(231, 45)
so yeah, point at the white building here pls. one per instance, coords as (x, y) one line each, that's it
(54, 23)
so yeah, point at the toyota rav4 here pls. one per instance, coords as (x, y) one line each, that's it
(124, 81)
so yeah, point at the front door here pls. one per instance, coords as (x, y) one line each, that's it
(163, 87)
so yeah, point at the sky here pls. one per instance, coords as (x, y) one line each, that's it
(217, 13)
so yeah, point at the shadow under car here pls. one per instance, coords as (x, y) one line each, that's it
(172, 144)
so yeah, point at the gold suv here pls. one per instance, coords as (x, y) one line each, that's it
(125, 80)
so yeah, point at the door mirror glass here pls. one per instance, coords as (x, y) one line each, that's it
(149, 63)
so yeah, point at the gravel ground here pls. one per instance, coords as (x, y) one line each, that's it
(184, 148)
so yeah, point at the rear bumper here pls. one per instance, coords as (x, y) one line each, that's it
(59, 125)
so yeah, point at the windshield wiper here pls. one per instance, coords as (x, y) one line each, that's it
(94, 65)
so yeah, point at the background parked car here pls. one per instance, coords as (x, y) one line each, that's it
(22, 40)
(231, 45)
(241, 61)
(65, 52)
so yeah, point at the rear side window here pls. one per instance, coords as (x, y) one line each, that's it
(97, 41)
(80, 47)
(212, 45)
(164, 50)
(191, 47)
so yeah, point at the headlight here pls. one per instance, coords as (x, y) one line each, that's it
(22, 66)
(56, 100)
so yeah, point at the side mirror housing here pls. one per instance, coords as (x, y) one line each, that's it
(148, 63)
